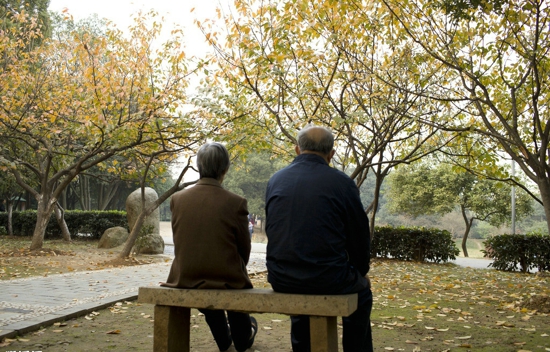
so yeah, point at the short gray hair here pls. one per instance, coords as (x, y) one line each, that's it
(212, 160)
(316, 139)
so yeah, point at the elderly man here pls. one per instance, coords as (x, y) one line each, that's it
(318, 237)
(212, 245)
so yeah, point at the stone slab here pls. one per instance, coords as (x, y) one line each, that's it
(251, 300)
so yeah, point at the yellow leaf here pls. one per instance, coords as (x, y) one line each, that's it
(113, 332)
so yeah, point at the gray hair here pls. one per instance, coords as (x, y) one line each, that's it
(316, 139)
(212, 160)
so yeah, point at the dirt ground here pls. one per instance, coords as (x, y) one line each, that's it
(417, 307)
(57, 256)
(128, 326)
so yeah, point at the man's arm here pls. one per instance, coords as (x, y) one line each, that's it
(358, 234)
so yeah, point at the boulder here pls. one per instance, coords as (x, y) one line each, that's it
(149, 242)
(113, 237)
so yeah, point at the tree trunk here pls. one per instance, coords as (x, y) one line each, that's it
(59, 215)
(468, 223)
(85, 202)
(42, 218)
(375, 202)
(544, 187)
(106, 194)
(129, 244)
(9, 208)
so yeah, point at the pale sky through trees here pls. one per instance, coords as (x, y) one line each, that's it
(120, 12)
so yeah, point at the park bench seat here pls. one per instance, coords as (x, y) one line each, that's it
(173, 316)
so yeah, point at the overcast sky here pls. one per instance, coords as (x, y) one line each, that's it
(120, 12)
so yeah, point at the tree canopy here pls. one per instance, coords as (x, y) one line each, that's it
(422, 189)
(493, 74)
(76, 101)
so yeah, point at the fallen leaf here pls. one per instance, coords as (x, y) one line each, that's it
(57, 330)
(463, 337)
(113, 332)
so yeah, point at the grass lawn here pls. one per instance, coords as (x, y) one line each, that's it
(474, 247)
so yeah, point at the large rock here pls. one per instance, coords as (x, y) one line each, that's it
(113, 237)
(151, 242)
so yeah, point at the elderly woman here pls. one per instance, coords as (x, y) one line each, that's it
(212, 245)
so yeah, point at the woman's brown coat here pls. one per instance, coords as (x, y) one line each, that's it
(211, 238)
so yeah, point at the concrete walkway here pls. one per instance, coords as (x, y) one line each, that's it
(27, 304)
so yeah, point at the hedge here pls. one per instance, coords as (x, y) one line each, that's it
(523, 252)
(420, 244)
(90, 224)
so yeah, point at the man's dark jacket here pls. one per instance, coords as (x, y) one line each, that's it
(317, 229)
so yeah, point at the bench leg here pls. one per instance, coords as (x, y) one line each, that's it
(171, 329)
(323, 334)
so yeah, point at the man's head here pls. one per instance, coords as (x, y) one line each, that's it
(213, 160)
(316, 140)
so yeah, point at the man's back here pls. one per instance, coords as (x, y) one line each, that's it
(318, 239)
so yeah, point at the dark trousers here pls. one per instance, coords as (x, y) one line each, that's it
(239, 323)
(357, 335)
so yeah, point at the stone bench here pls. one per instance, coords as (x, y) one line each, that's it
(173, 318)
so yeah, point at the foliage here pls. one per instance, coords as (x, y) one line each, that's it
(84, 223)
(523, 252)
(36, 9)
(417, 244)
(421, 189)
(425, 189)
(77, 101)
(284, 64)
(493, 77)
(466, 9)
(248, 177)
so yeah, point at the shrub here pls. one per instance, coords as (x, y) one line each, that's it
(523, 252)
(83, 223)
(414, 243)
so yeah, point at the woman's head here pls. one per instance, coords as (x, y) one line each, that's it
(213, 160)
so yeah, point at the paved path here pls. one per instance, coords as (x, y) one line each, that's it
(27, 304)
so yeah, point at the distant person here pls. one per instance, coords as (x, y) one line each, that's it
(318, 237)
(212, 245)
